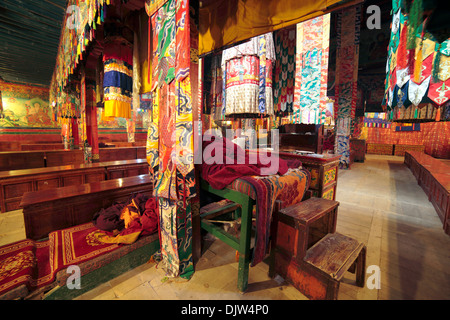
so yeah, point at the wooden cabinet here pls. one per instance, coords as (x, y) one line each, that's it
(49, 183)
(323, 170)
(305, 137)
(359, 148)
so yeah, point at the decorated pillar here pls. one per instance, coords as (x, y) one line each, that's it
(89, 97)
(131, 127)
(347, 58)
(75, 133)
(174, 179)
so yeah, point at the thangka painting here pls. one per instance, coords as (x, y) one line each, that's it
(26, 106)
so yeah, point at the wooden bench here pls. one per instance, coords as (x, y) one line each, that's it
(55, 158)
(122, 153)
(54, 209)
(42, 146)
(307, 251)
(400, 149)
(380, 148)
(17, 160)
(14, 183)
(433, 175)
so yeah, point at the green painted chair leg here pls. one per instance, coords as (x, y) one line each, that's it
(244, 252)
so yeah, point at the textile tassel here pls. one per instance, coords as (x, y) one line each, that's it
(401, 53)
(411, 59)
(435, 70)
(438, 114)
(418, 64)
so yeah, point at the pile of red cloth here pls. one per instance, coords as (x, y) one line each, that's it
(220, 170)
(138, 215)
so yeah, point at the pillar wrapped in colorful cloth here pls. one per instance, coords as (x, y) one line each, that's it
(118, 79)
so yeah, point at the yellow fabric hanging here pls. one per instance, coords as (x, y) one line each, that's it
(225, 22)
(418, 65)
(119, 109)
(145, 81)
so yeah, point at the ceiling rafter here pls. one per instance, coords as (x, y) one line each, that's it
(29, 39)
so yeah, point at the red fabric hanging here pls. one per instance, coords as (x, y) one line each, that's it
(402, 53)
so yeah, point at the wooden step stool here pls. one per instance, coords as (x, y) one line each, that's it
(298, 227)
(331, 257)
(301, 248)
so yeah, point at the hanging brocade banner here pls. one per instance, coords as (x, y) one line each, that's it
(311, 70)
(76, 34)
(170, 141)
(247, 84)
(348, 35)
(118, 79)
(284, 70)
(417, 60)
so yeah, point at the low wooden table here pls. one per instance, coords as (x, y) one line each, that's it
(324, 169)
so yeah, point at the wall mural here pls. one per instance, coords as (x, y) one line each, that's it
(26, 106)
